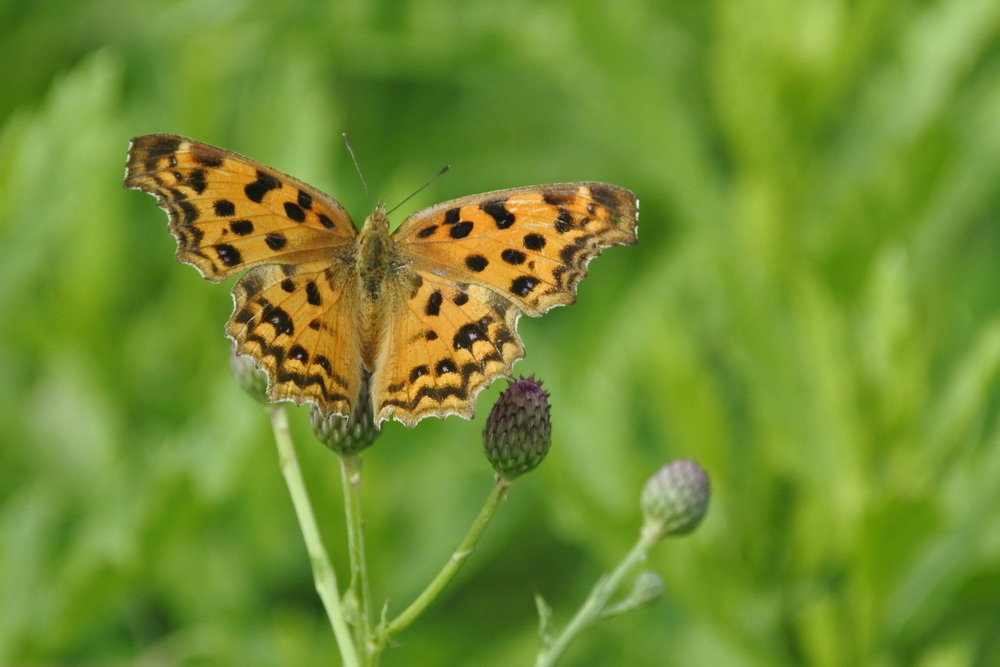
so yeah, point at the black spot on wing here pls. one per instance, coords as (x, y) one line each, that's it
(294, 212)
(224, 208)
(265, 183)
(280, 320)
(523, 285)
(513, 257)
(275, 241)
(564, 222)
(312, 294)
(534, 241)
(196, 180)
(476, 263)
(445, 366)
(460, 230)
(470, 333)
(433, 306)
(228, 255)
(498, 211)
(241, 227)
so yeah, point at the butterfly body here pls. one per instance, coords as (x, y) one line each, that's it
(375, 258)
(416, 322)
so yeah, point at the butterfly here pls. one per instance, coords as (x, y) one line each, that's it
(416, 322)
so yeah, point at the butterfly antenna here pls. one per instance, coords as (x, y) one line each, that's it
(429, 181)
(357, 167)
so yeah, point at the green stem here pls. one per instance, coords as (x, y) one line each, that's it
(350, 472)
(597, 600)
(323, 573)
(447, 573)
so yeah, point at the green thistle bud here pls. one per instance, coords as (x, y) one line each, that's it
(518, 433)
(346, 435)
(248, 376)
(675, 499)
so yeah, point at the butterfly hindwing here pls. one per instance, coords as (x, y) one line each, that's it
(445, 341)
(298, 323)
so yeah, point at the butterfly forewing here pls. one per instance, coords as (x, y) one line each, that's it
(531, 245)
(230, 213)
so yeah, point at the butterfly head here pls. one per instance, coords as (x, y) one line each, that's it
(376, 224)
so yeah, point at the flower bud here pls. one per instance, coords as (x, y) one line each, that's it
(347, 435)
(675, 499)
(518, 433)
(248, 376)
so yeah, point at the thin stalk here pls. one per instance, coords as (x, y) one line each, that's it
(597, 600)
(324, 575)
(447, 573)
(350, 472)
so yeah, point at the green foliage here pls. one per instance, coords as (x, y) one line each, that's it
(808, 314)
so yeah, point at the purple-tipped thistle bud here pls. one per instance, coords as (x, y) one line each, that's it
(250, 379)
(346, 435)
(675, 499)
(518, 432)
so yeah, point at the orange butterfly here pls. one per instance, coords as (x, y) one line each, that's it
(416, 322)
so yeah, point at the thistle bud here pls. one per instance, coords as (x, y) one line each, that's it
(518, 433)
(248, 376)
(675, 499)
(346, 435)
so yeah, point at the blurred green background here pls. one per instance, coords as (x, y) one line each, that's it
(811, 313)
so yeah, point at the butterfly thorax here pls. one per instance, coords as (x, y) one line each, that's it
(373, 252)
(374, 260)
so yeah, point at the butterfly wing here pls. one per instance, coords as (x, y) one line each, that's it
(477, 263)
(529, 245)
(445, 341)
(295, 307)
(230, 213)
